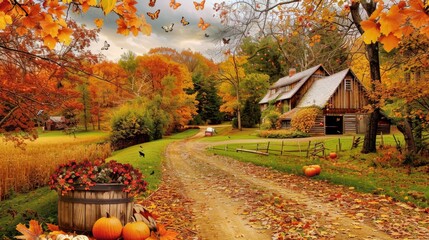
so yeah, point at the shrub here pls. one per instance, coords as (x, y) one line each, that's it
(272, 118)
(283, 134)
(130, 126)
(265, 126)
(305, 119)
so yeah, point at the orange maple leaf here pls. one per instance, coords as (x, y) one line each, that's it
(49, 41)
(371, 31)
(22, 31)
(98, 22)
(407, 30)
(122, 27)
(49, 26)
(376, 13)
(418, 16)
(64, 35)
(31, 233)
(53, 227)
(389, 42)
(166, 234)
(392, 21)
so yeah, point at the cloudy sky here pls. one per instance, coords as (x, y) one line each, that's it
(181, 38)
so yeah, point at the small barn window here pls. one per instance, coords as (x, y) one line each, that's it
(348, 84)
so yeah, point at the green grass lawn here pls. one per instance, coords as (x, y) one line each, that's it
(41, 204)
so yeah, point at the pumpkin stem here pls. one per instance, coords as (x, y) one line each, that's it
(107, 215)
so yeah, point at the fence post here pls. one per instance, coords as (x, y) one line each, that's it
(299, 147)
(226, 147)
(281, 151)
(382, 139)
(257, 146)
(339, 144)
(308, 148)
(268, 147)
(323, 147)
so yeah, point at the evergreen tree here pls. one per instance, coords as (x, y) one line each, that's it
(208, 100)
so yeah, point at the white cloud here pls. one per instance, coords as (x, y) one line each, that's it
(181, 38)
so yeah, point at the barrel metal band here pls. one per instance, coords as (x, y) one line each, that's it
(96, 201)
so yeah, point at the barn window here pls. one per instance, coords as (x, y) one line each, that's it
(348, 84)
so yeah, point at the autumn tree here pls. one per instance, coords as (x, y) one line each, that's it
(168, 79)
(231, 74)
(34, 83)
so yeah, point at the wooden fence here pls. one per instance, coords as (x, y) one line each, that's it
(300, 148)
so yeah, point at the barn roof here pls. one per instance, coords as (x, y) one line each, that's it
(57, 119)
(300, 77)
(322, 89)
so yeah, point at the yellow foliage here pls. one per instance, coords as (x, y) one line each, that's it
(4, 20)
(305, 119)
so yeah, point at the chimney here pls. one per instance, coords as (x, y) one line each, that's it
(292, 71)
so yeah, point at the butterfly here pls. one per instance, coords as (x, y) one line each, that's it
(174, 5)
(225, 41)
(106, 46)
(154, 15)
(168, 28)
(184, 22)
(199, 6)
(203, 25)
(152, 3)
(206, 35)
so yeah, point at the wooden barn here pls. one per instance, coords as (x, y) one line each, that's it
(341, 97)
(55, 123)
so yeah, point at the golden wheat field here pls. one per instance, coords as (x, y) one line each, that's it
(26, 169)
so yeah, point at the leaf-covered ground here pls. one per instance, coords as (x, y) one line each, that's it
(205, 196)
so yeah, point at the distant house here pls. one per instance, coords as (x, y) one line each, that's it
(55, 123)
(341, 97)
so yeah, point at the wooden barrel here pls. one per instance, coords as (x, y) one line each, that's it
(79, 209)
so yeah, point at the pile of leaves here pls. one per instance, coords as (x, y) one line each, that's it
(172, 207)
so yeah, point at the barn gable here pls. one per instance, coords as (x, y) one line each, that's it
(287, 91)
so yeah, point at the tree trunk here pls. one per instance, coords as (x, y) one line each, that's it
(405, 128)
(369, 144)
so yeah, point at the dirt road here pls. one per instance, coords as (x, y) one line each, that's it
(228, 199)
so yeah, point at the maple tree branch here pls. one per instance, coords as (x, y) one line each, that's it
(8, 115)
(15, 3)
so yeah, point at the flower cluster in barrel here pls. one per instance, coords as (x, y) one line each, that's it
(88, 173)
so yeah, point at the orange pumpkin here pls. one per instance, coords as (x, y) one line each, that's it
(333, 155)
(303, 169)
(135, 231)
(317, 167)
(107, 228)
(310, 172)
